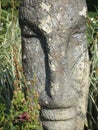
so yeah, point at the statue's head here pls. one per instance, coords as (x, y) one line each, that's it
(54, 50)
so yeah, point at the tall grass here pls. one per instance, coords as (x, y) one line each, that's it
(9, 41)
(14, 91)
(92, 35)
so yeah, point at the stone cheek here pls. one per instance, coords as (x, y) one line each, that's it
(32, 68)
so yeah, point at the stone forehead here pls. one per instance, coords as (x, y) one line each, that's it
(32, 2)
(47, 4)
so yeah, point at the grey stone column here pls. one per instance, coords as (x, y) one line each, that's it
(54, 50)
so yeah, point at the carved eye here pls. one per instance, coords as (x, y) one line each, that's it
(27, 31)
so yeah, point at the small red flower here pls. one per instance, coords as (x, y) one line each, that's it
(24, 117)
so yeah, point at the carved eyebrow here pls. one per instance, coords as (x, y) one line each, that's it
(26, 30)
(30, 30)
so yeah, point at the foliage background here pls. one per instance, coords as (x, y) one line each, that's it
(13, 85)
(92, 4)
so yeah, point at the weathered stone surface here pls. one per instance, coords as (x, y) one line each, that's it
(54, 49)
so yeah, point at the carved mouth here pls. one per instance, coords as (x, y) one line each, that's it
(58, 114)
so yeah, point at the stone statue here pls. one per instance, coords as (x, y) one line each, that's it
(54, 50)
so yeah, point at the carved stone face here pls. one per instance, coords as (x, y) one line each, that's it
(55, 52)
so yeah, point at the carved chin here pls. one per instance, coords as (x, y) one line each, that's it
(57, 119)
(59, 125)
(62, 119)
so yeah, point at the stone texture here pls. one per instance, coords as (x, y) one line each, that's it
(54, 50)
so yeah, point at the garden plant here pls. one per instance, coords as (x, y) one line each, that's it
(17, 110)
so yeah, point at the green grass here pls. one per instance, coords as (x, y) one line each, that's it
(13, 85)
(93, 14)
(92, 36)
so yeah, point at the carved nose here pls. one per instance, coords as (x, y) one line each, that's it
(61, 100)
